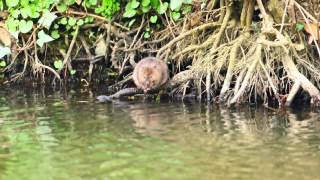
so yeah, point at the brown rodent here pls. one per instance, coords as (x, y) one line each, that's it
(150, 73)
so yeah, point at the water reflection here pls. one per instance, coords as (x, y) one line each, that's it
(45, 135)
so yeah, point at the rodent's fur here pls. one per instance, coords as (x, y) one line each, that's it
(150, 73)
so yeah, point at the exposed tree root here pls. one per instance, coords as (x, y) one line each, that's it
(299, 78)
(211, 52)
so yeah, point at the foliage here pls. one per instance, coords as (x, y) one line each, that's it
(58, 64)
(25, 15)
(136, 7)
(45, 23)
(155, 8)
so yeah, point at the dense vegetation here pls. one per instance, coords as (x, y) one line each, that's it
(240, 50)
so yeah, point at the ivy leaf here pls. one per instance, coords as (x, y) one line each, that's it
(145, 9)
(129, 13)
(72, 21)
(186, 10)
(11, 25)
(299, 26)
(25, 12)
(155, 3)
(175, 4)
(93, 2)
(64, 21)
(25, 26)
(3, 63)
(55, 34)
(4, 51)
(56, 26)
(72, 72)
(1, 6)
(47, 19)
(131, 22)
(145, 3)
(80, 22)
(162, 8)
(35, 9)
(12, 3)
(58, 64)
(146, 35)
(15, 13)
(62, 7)
(134, 4)
(153, 19)
(43, 38)
(175, 15)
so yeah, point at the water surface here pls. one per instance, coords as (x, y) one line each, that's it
(46, 135)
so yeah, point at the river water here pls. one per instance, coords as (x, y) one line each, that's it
(55, 135)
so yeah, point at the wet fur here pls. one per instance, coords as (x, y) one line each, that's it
(150, 73)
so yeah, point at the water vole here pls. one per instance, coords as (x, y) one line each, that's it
(150, 73)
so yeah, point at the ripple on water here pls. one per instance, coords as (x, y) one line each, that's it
(75, 138)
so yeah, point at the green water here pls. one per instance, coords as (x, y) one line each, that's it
(45, 135)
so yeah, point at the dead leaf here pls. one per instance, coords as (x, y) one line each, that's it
(313, 30)
(101, 47)
(78, 2)
(5, 37)
(4, 14)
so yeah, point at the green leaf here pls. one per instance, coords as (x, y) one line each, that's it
(175, 4)
(162, 8)
(12, 3)
(299, 26)
(56, 26)
(11, 24)
(88, 19)
(145, 9)
(145, 3)
(98, 10)
(3, 63)
(186, 9)
(15, 13)
(93, 2)
(80, 22)
(131, 22)
(58, 64)
(153, 19)
(34, 13)
(62, 7)
(72, 21)
(155, 3)
(134, 4)
(72, 72)
(25, 12)
(64, 21)
(129, 13)
(43, 38)
(25, 26)
(175, 15)
(1, 5)
(146, 35)
(55, 34)
(69, 2)
(24, 3)
(47, 19)
(4, 51)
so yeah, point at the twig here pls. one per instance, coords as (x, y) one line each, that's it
(187, 33)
